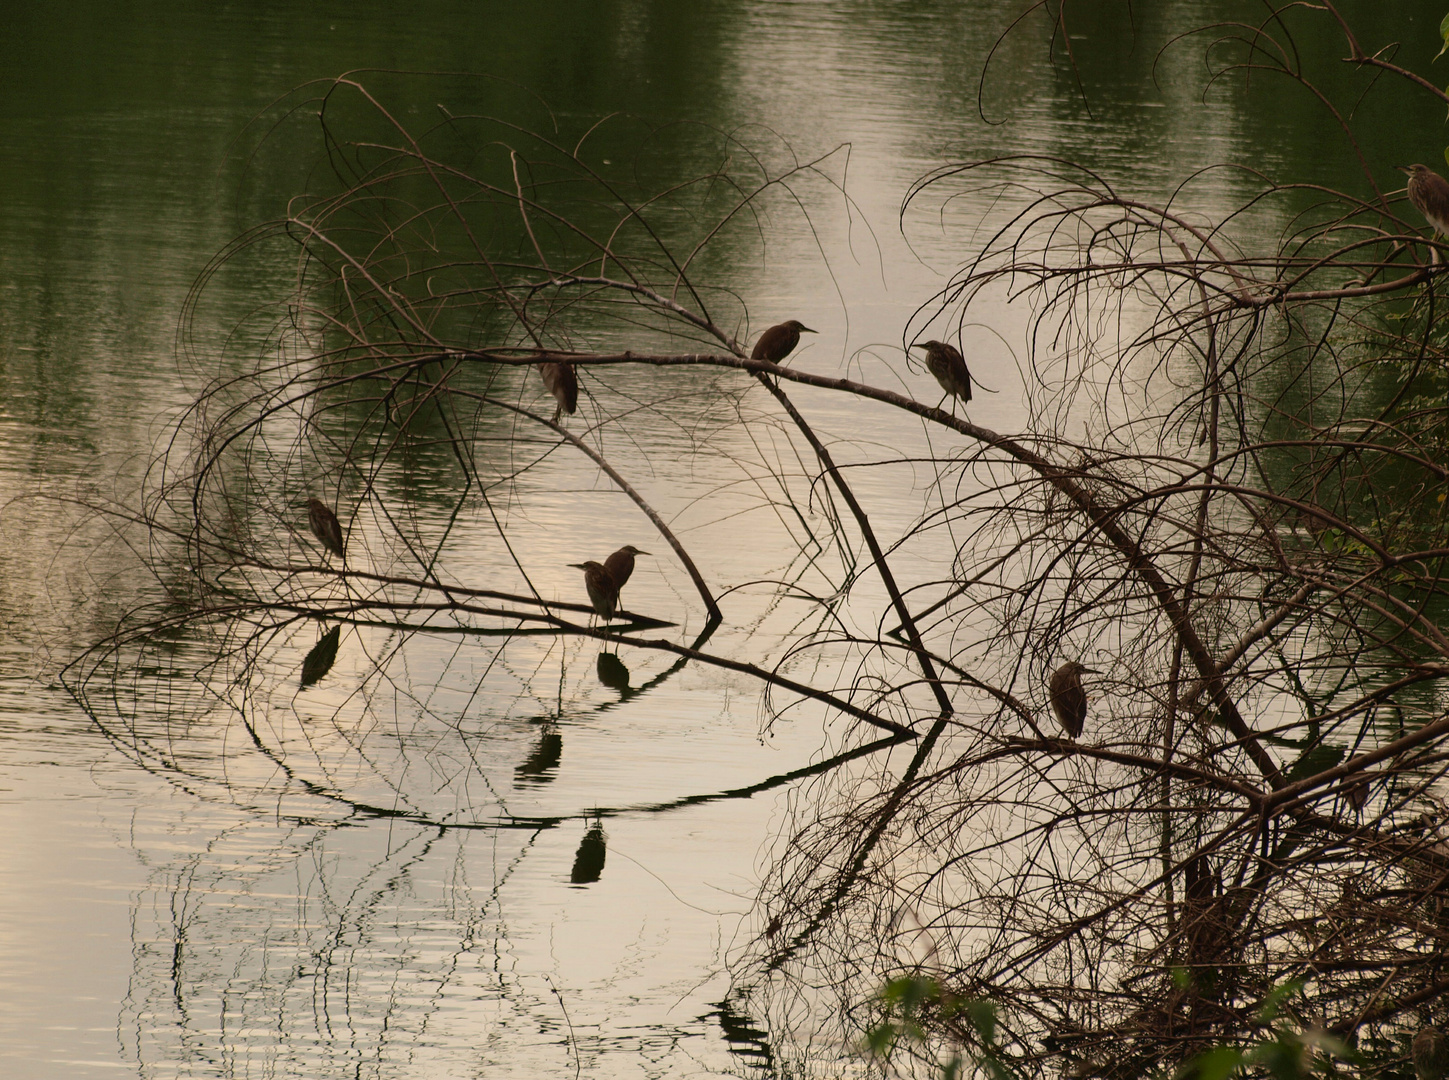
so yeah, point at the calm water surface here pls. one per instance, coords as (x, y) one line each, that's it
(169, 903)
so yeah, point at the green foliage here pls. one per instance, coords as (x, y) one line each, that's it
(919, 1010)
(917, 1006)
(1288, 1055)
(1285, 1054)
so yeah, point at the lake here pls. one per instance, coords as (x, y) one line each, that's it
(516, 860)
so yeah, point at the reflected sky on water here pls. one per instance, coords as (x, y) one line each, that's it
(173, 905)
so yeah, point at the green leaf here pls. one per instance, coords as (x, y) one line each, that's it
(983, 1019)
(1443, 33)
(1270, 1005)
(321, 656)
(1446, 155)
(880, 1040)
(1218, 1063)
(1314, 761)
(1285, 1058)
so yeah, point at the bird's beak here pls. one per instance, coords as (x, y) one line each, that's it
(917, 345)
(1403, 168)
(638, 552)
(1089, 671)
(807, 330)
(579, 565)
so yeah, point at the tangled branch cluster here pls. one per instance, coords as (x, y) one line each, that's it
(1247, 543)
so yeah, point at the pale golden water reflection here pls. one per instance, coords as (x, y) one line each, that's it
(174, 904)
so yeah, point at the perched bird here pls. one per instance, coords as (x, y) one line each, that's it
(621, 565)
(944, 362)
(326, 527)
(1429, 192)
(1202, 882)
(603, 592)
(1357, 795)
(563, 384)
(1069, 700)
(778, 341)
(1430, 1051)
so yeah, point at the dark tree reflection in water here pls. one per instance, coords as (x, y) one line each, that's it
(1245, 541)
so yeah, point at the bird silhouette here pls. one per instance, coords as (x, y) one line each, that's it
(947, 365)
(621, 565)
(1069, 700)
(326, 527)
(603, 592)
(779, 341)
(563, 384)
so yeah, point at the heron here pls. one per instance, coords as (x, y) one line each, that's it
(326, 527)
(1069, 700)
(621, 565)
(946, 364)
(779, 341)
(563, 384)
(1430, 1051)
(603, 590)
(1429, 194)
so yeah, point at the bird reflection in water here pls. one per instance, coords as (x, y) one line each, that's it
(538, 767)
(320, 658)
(589, 860)
(744, 1036)
(612, 672)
